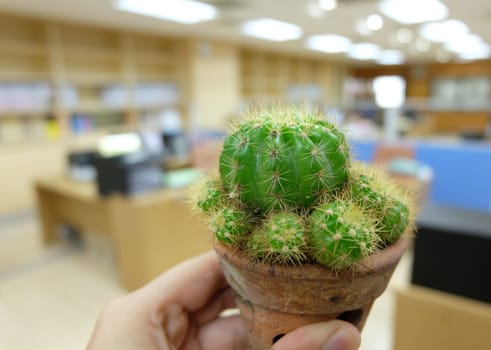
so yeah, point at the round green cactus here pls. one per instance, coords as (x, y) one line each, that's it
(341, 234)
(280, 239)
(378, 196)
(395, 219)
(279, 160)
(210, 196)
(230, 225)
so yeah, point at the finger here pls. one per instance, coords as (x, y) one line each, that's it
(190, 284)
(223, 299)
(332, 335)
(226, 333)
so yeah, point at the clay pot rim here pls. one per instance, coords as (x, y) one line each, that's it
(374, 263)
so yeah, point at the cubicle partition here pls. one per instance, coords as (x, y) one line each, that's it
(461, 170)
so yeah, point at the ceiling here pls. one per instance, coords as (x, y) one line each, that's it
(475, 13)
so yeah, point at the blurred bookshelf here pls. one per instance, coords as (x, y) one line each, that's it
(452, 98)
(60, 80)
(272, 77)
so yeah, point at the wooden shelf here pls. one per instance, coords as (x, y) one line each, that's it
(266, 76)
(89, 53)
(97, 79)
(28, 47)
(87, 60)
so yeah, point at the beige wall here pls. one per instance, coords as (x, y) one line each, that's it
(214, 84)
(20, 166)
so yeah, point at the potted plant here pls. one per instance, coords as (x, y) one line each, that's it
(304, 234)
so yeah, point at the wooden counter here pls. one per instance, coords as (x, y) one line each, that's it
(151, 232)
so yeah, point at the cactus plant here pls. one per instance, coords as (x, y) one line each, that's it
(384, 201)
(289, 193)
(281, 239)
(284, 159)
(341, 234)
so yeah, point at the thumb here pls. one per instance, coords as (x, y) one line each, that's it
(332, 335)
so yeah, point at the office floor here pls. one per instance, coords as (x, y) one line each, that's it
(50, 297)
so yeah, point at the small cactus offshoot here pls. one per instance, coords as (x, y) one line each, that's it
(341, 234)
(281, 239)
(289, 193)
(371, 190)
(230, 225)
(210, 196)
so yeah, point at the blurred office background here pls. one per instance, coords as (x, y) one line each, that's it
(110, 109)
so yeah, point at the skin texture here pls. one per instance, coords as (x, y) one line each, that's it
(181, 310)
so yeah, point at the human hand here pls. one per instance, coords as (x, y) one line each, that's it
(181, 309)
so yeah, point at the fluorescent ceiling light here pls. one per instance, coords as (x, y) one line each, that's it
(414, 11)
(271, 29)
(182, 11)
(364, 51)
(443, 31)
(469, 47)
(328, 43)
(389, 57)
(482, 54)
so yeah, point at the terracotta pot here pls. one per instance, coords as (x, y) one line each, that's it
(276, 299)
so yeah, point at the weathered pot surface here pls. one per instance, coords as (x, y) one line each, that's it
(276, 299)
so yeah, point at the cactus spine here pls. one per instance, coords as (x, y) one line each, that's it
(288, 193)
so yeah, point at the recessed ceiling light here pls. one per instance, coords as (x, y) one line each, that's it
(390, 57)
(443, 31)
(181, 11)
(370, 24)
(404, 35)
(313, 10)
(271, 29)
(328, 43)
(422, 45)
(374, 22)
(363, 51)
(327, 5)
(414, 11)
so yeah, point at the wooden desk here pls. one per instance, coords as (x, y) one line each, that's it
(151, 232)
(427, 319)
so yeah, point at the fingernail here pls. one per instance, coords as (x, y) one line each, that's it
(341, 340)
